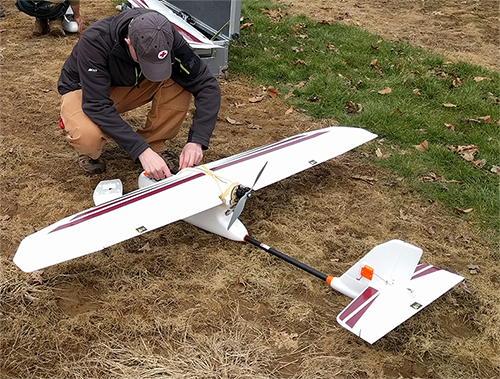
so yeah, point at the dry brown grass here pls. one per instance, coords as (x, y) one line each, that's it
(181, 303)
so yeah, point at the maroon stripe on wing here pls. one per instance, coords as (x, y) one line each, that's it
(360, 300)
(428, 271)
(420, 267)
(121, 202)
(354, 319)
(124, 203)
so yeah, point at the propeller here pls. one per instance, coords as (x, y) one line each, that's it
(238, 208)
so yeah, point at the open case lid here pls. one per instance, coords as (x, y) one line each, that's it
(214, 13)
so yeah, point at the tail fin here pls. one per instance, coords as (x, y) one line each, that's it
(388, 287)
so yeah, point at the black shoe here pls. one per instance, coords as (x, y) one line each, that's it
(171, 160)
(56, 28)
(91, 166)
(41, 27)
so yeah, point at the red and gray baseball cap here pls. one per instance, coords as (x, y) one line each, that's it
(152, 38)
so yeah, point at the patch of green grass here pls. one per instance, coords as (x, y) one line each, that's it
(341, 63)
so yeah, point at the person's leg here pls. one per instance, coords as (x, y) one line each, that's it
(168, 109)
(81, 132)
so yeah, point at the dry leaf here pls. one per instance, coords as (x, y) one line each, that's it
(480, 78)
(256, 99)
(241, 286)
(247, 25)
(331, 46)
(450, 125)
(480, 163)
(284, 340)
(464, 120)
(352, 107)
(463, 211)
(379, 154)
(467, 152)
(289, 110)
(299, 62)
(366, 179)
(273, 92)
(385, 91)
(36, 276)
(424, 146)
(485, 119)
(375, 64)
(457, 82)
(448, 105)
(233, 122)
(474, 269)
(289, 94)
(146, 247)
(300, 84)
(416, 91)
(274, 14)
(296, 32)
(432, 177)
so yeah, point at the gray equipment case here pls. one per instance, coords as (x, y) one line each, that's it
(218, 20)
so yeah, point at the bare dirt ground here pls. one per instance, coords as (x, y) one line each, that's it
(179, 302)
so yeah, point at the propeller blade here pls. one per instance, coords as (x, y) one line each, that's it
(260, 173)
(238, 209)
(241, 203)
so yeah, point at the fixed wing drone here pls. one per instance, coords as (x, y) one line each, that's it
(387, 285)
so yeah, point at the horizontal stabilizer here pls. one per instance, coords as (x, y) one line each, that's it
(377, 311)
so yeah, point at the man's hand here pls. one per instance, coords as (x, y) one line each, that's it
(191, 155)
(154, 165)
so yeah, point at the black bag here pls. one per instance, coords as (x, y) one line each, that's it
(42, 9)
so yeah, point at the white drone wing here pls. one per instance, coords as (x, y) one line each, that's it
(180, 196)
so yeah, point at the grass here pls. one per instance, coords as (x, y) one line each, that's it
(326, 66)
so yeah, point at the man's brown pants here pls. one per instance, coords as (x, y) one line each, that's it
(170, 103)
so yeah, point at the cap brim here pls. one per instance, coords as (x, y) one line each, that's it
(156, 72)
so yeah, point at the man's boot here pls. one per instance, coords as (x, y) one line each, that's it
(91, 166)
(171, 160)
(41, 27)
(56, 28)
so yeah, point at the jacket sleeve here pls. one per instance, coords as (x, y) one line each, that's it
(193, 75)
(95, 81)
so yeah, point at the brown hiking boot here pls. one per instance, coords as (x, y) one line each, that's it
(171, 160)
(41, 27)
(91, 166)
(56, 28)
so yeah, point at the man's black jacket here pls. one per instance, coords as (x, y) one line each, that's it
(101, 60)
